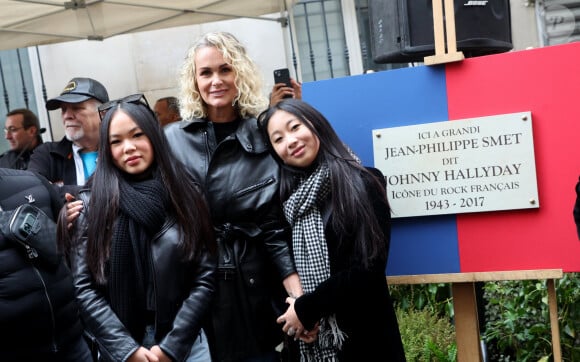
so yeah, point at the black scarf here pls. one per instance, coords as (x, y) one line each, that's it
(142, 212)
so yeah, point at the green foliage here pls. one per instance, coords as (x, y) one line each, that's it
(436, 297)
(518, 321)
(424, 313)
(426, 337)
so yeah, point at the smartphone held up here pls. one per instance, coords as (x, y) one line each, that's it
(283, 76)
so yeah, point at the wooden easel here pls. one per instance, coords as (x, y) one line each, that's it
(464, 304)
(452, 55)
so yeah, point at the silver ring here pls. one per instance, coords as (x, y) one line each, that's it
(291, 331)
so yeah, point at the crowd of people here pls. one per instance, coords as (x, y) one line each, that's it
(219, 225)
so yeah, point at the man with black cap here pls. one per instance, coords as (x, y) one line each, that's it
(72, 160)
(22, 131)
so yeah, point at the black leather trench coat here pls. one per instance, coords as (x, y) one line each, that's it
(241, 180)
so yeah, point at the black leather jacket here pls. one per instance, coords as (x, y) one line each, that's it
(182, 291)
(241, 180)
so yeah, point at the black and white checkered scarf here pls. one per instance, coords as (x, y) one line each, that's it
(302, 211)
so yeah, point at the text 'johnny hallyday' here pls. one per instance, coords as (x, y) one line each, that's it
(507, 139)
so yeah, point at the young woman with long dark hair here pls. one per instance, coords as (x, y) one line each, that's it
(144, 266)
(340, 220)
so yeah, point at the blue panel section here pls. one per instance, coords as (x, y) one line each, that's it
(355, 106)
(424, 245)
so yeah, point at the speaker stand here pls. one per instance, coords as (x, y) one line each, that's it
(452, 55)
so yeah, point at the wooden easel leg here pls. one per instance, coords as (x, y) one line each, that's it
(444, 33)
(438, 32)
(450, 27)
(466, 322)
(553, 307)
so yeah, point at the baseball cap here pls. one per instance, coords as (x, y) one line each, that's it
(79, 90)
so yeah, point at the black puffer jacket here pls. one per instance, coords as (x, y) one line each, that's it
(241, 180)
(38, 313)
(182, 295)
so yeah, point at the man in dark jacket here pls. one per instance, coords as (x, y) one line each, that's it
(22, 131)
(39, 317)
(72, 160)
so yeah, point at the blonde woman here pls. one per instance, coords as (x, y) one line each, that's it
(221, 145)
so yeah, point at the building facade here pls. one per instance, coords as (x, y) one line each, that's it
(321, 39)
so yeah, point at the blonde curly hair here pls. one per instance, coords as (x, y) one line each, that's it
(250, 100)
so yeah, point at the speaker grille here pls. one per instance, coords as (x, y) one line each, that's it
(482, 27)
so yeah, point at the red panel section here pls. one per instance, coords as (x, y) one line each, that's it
(545, 81)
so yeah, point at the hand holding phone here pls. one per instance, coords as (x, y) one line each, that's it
(283, 76)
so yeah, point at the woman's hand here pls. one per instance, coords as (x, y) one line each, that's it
(160, 354)
(280, 91)
(143, 355)
(73, 209)
(292, 325)
(310, 336)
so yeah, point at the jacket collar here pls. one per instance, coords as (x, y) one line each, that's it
(248, 133)
(63, 148)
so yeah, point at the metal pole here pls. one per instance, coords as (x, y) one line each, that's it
(328, 51)
(24, 91)
(44, 96)
(6, 100)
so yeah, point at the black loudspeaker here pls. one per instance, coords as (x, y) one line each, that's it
(402, 30)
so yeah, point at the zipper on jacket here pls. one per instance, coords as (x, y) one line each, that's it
(153, 270)
(252, 188)
(207, 149)
(209, 155)
(54, 344)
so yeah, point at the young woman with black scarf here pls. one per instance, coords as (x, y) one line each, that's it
(144, 263)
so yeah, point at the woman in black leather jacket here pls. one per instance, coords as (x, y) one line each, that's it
(220, 144)
(144, 268)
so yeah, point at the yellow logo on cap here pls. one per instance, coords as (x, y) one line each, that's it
(70, 86)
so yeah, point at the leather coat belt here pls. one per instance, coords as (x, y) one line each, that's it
(231, 240)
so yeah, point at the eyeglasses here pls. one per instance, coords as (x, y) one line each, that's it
(12, 129)
(138, 98)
